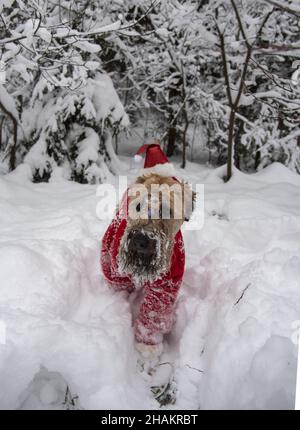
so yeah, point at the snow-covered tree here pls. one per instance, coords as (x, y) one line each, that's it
(65, 105)
(222, 67)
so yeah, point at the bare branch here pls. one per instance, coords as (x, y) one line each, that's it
(285, 7)
(241, 27)
(224, 62)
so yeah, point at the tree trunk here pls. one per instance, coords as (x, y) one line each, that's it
(116, 144)
(237, 145)
(183, 153)
(1, 127)
(184, 142)
(236, 155)
(230, 144)
(171, 139)
(257, 158)
(13, 149)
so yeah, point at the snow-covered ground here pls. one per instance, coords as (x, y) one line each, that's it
(232, 344)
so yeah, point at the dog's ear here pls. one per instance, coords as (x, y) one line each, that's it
(141, 179)
(189, 200)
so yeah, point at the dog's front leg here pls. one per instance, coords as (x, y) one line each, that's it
(112, 279)
(121, 285)
(156, 317)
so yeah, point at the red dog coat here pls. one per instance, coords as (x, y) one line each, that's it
(156, 313)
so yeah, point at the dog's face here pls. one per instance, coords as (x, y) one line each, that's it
(157, 207)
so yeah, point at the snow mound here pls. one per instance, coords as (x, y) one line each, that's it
(277, 172)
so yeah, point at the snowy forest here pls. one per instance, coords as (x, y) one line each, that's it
(85, 83)
(216, 82)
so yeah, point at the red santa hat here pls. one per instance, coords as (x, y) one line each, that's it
(155, 160)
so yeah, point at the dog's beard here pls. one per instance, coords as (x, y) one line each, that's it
(142, 267)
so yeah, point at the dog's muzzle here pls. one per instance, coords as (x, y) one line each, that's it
(141, 243)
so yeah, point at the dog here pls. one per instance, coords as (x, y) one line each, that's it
(143, 248)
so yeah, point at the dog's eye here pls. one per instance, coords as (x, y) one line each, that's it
(138, 207)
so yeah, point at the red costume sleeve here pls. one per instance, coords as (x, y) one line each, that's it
(110, 243)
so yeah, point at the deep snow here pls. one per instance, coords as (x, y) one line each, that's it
(231, 346)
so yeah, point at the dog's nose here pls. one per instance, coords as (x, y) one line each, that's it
(141, 243)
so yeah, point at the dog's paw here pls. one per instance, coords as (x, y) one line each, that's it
(149, 351)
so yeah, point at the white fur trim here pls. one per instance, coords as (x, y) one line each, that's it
(166, 169)
(138, 158)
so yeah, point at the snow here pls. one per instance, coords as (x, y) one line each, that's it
(106, 28)
(87, 46)
(106, 100)
(88, 148)
(44, 34)
(37, 157)
(295, 77)
(231, 346)
(163, 32)
(116, 165)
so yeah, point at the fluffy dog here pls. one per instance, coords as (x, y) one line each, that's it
(143, 248)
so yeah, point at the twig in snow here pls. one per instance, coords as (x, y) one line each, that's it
(242, 295)
(166, 362)
(195, 368)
